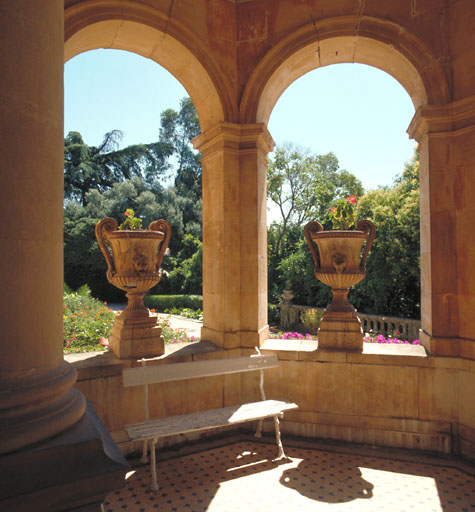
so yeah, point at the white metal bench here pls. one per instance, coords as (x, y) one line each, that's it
(151, 430)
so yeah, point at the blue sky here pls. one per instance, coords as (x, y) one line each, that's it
(359, 113)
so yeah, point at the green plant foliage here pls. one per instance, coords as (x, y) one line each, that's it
(296, 272)
(163, 302)
(273, 314)
(176, 131)
(171, 335)
(310, 320)
(131, 221)
(83, 260)
(194, 314)
(392, 283)
(186, 275)
(99, 167)
(303, 186)
(86, 320)
(105, 182)
(343, 214)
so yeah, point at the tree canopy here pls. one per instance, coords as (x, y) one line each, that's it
(105, 181)
(177, 129)
(392, 283)
(99, 167)
(303, 185)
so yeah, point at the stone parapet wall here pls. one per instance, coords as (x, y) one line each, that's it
(393, 396)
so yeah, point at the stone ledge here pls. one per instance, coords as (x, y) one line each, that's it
(94, 365)
(373, 353)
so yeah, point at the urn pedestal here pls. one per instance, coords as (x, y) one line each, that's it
(134, 267)
(340, 265)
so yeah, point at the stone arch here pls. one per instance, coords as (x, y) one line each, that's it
(154, 35)
(378, 43)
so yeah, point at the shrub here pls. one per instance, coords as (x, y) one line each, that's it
(174, 335)
(195, 314)
(170, 302)
(273, 314)
(86, 320)
(310, 319)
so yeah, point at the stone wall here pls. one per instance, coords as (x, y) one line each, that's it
(393, 396)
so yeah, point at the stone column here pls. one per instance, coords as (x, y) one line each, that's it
(235, 234)
(54, 452)
(37, 400)
(446, 135)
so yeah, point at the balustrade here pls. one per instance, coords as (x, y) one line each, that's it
(295, 318)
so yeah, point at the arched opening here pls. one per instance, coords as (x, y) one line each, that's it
(128, 124)
(380, 45)
(340, 131)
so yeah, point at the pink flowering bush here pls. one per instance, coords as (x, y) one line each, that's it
(292, 336)
(379, 338)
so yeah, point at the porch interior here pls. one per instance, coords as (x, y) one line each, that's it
(236, 472)
(235, 59)
(365, 436)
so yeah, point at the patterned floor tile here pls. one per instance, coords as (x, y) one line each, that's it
(245, 477)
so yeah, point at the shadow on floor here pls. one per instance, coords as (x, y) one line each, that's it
(244, 476)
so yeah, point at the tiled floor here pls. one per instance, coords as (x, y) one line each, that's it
(244, 477)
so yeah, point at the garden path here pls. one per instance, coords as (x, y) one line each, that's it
(191, 326)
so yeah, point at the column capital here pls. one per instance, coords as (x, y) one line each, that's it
(234, 137)
(450, 119)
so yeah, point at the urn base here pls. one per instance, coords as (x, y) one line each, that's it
(136, 337)
(340, 331)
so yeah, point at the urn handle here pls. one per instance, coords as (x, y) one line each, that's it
(313, 227)
(163, 226)
(102, 227)
(367, 227)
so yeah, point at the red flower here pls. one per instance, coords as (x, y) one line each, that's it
(351, 199)
(127, 213)
(333, 209)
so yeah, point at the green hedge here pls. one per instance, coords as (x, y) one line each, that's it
(163, 302)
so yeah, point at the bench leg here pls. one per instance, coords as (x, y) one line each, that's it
(144, 458)
(281, 454)
(258, 433)
(153, 467)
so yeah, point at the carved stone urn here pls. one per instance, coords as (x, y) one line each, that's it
(287, 296)
(340, 265)
(134, 267)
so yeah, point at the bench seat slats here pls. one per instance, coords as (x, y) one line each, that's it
(207, 419)
(206, 368)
